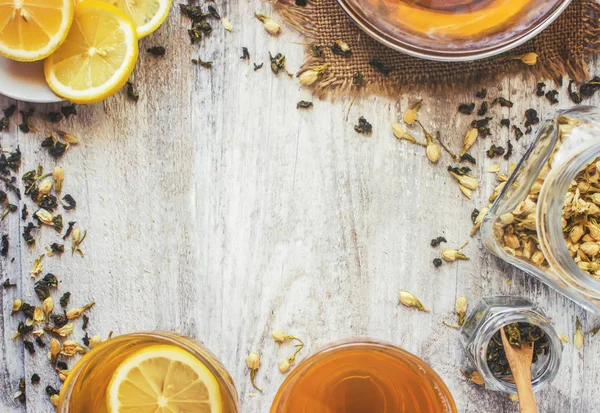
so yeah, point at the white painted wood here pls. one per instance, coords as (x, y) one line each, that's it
(216, 209)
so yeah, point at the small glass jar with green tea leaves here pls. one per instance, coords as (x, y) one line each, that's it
(545, 219)
(480, 335)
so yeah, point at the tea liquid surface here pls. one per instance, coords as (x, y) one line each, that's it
(365, 381)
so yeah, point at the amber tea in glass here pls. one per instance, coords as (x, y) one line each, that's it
(363, 377)
(85, 389)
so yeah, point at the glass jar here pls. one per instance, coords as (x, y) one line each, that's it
(530, 205)
(489, 316)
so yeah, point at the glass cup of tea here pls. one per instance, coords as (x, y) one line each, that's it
(148, 370)
(363, 376)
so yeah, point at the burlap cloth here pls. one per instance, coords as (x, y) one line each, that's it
(564, 48)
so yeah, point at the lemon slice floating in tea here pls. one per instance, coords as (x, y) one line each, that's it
(97, 56)
(147, 15)
(33, 29)
(164, 379)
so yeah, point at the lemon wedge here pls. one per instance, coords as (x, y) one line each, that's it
(33, 29)
(147, 15)
(97, 56)
(165, 379)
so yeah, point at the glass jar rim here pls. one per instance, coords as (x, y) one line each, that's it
(500, 320)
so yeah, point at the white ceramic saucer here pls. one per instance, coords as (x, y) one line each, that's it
(25, 81)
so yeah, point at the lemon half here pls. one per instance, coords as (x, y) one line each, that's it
(33, 29)
(97, 57)
(163, 379)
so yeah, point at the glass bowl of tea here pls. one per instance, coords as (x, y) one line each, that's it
(363, 375)
(453, 30)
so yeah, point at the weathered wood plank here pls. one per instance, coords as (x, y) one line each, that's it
(217, 209)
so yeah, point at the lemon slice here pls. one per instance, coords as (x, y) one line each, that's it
(33, 29)
(97, 56)
(163, 379)
(147, 15)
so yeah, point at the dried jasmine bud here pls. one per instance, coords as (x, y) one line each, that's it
(280, 336)
(437, 262)
(269, 24)
(518, 132)
(483, 109)
(539, 89)
(530, 59)
(481, 94)
(341, 48)
(76, 312)
(469, 140)
(63, 331)
(509, 150)
(308, 77)
(437, 241)
(552, 96)
(466, 109)
(363, 126)
(67, 137)
(409, 300)
(380, 67)
(71, 347)
(131, 93)
(495, 151)
(38, 315)
(465, 180)
(16, 306)
(48, 307)
(245, 54)
(95, 341)
(400, 133)
(202, 63)
(578, 339)
(451, 255)
(461, 309)
(474, 377)
(505, 123)
(69, 203)
(77, 239)
(410, 116)
(477, 218)
(38, 266)
(64, 299)
(253, 364)
(505, 103)
(303, 104)
(258, 67)
(44, 216)
(156, 50)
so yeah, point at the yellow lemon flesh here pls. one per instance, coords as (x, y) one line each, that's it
(33, 29)
(163, 379)
(97, 56)
(147, 15)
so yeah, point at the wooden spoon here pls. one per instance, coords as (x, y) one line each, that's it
(519, 360)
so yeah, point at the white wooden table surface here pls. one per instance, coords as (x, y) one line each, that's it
(216, 209)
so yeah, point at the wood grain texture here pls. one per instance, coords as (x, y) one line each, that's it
(216, 209)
